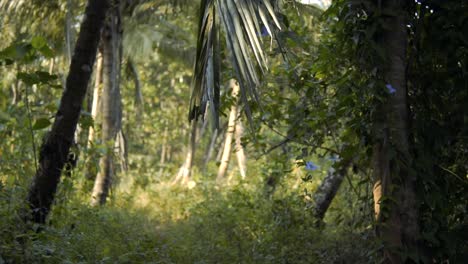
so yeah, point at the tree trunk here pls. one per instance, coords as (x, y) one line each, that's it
(221, 136)
(240, 153)
(209, 150)
(162, 159)
(91, 167)
(56, 145)
(327, 191)
(96, 95)
(186, 170)
(139, 107)
(394, 189)
(229, 132)
(122, 149)
(111, 41)
(68, 33)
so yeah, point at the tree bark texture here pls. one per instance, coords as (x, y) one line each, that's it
(111, 41)
(394, 190)
(229, 132)
(327, 190)
(55, 148)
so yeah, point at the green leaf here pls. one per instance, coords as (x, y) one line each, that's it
(16, 51)
(47, 52)
(37, 77)
(38, 42)
(41, 123)
(28, 78)
(45, 77)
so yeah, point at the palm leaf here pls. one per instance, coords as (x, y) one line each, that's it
(242, 21)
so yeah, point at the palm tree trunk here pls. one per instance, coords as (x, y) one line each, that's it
(162, 159)
(56, 145)
(186, 170)
(111, 41)
(96, 95)
(91, 168)
(209, 150)
(229, 132)
(240, 153)
(398, 228)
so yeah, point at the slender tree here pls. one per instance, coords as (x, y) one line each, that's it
(132, 69)
(210, 148)
(239, 149)
(327, 191)
(57, 143)
(233, 114)
(111, 111)
(185, 170)
(96, 96)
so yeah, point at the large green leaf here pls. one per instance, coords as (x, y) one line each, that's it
(41, 123)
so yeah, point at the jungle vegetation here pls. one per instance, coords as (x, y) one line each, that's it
(233, 131)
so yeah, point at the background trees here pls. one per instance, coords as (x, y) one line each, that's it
(357, 94)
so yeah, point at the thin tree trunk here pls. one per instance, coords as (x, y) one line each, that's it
(398, 226)
(219, 145)
(111, 41)
(91, 168)
(186, 170)
(56, 145)
(96, 95)
(209, 151)
(16, 92)
(121, 147)
(240, 153)
(51, 65)
(327, 191)
(68, 34)
(162, 160)
(138, 94)
(229, 133)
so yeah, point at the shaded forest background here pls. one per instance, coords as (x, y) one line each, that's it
(156, 131)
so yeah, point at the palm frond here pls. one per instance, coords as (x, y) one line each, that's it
(242, 21)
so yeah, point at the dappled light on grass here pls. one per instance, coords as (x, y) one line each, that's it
(171, 224)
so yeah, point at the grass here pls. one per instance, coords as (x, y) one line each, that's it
(160, 223)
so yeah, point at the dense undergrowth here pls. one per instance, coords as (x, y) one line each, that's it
(159, 223)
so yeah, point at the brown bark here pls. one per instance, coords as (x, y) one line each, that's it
(111, 41)
(56, 145)
(394, 189)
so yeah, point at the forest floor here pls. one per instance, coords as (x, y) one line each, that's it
(155, 222)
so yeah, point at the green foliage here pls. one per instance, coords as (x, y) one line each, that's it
(318, 105)
(172, 225)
